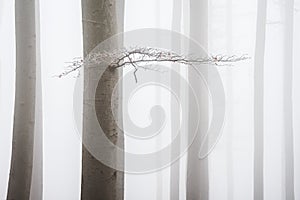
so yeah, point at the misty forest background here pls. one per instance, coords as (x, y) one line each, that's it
(258, 154)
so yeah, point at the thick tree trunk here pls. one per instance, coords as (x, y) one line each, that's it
(36, 191)
(197, 170)
(100, 22)
(27, 127)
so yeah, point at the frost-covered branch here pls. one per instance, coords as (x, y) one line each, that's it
(141, 57)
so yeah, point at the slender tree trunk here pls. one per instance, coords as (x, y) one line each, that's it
(175, 85)
(230, 117)
(259, 100)
(158, 101)
(27, 125)
(100, 21)
(288, 102)
(197, 170)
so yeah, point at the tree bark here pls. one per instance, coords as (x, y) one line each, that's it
(288, 101)
(100, 22)
(231, 109)
(197, 170)
(259, 100)
(27, 127)
(36, 191)
(175, 85)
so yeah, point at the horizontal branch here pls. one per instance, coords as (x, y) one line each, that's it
(140, 56)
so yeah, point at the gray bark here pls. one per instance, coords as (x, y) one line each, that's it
(197, 170)
(259, 100)
(288, 102)
(159, 174)
(230, 117)
(100, 21)
(27, 127)
(36, 191)
(175, 85)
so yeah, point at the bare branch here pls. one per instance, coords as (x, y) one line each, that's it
(138, 57)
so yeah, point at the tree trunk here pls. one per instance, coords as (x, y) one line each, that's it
(36, 191)
(175, 85)
(231, 109)
(100, 22)
(27, 127)
(197, 170)
(259, 100)
(288, 101)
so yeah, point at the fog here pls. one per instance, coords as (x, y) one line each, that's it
(232, 30)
